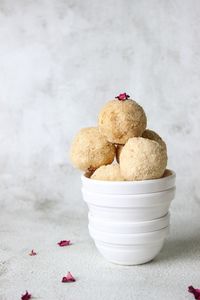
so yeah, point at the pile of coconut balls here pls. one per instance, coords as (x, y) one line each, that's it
(120, 148)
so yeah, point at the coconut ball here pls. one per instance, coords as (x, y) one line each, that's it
(109, 172)
(152, 135)
(142, 159)
(118, 152)
(120, 120)
(167, 173)
(91, 150)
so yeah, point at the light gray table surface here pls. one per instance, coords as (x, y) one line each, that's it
(37, 223)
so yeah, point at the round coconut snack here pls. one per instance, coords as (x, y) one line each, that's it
(152, 135)
(142, 159)
(109, 173)
(147, 134)
(91, 150)
(121, 119)
(167, 173)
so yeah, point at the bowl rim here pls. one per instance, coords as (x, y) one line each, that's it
(158, 232)
(129, 196)
(133, 182)
(109, 222)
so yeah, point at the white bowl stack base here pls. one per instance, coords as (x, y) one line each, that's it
(129, 220)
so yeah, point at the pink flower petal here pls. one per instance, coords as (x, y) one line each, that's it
(195, 292)
(26, 296)
(64, 243)
(32, 253)
(122, 97)
(68, 278)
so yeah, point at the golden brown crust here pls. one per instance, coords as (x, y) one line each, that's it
(118, 152)
(121, 120)
(142, 159)
(152, 135)
(167, 173)
(109, 173)
(91, 150)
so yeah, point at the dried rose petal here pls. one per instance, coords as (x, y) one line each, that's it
(32, 253)
(26, 296)
(68, 278)
(64, 243)
(122, 97)
(195, 292)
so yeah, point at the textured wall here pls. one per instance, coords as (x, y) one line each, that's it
(61, 60)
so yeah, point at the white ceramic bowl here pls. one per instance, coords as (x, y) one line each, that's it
(129, 208)
(129, 187)
(117, 227)
(129, 249)
(122, 217)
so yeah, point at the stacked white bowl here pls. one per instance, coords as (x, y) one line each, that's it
(129, 220)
